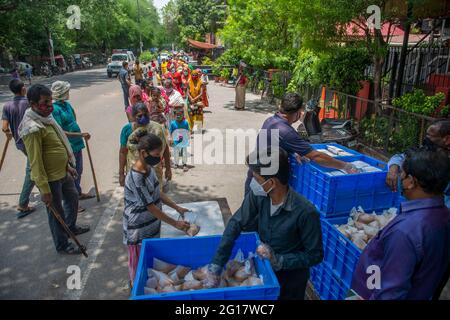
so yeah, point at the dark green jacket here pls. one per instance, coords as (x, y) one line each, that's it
(293, 232)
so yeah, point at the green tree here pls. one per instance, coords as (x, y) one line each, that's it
(191, 19)
(261, 31)
(105, 25)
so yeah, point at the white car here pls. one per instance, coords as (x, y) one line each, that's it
(115, 65)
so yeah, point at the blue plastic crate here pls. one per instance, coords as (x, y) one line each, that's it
(324, 146)
(296, 173)
(197, 252)
(339, 252)
(296, 168)
(327, 285)
(335, 196)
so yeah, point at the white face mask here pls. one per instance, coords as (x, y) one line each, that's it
(258, 189)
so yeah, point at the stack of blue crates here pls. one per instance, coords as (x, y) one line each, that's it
(334, 197)
(197, 252)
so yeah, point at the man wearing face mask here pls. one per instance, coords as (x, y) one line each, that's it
(52, 165)
(437, 137)
(287, 223)
(281, 123)
(413, 251)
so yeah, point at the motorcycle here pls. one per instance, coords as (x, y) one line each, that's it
(46, 71)
(87, 64)
(329, 130)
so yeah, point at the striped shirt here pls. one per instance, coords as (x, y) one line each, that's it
(140, 192)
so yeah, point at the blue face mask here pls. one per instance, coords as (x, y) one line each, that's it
(258, 189)
(143, 120)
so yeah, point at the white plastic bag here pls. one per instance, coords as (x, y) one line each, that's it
(152, 282)
(163, 279)
(189, 276)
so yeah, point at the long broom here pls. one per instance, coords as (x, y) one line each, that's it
(4, 153)
(93, 171)
(67, 229)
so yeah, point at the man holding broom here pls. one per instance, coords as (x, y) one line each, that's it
(11, 117)
(52, 166)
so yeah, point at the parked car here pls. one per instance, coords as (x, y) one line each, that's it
(115, 65)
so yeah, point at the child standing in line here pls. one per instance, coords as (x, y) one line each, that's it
(143, 201)
(179, 133)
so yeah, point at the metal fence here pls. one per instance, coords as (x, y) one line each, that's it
(381, 127)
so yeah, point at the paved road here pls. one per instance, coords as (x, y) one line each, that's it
(29, 265)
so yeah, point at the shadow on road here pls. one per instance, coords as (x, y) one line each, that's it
(78, 80)
(30, 267)
(255, 106)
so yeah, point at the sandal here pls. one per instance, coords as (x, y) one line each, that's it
(85, 196)
(25, 212)
(70, 249)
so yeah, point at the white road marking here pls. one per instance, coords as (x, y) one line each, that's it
(95, 244)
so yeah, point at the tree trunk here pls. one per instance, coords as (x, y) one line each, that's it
(378, 62)
(377, 73)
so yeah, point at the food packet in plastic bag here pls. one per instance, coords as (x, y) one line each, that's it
(231, 283)
(371, 231)
(192, 285)
(150, 291)
(173, 275)
(358, 240)
(163, 279)
(234, 265)
(189, 276)
(250, 264)
(193, 230)
(162, 266)
(201, 273)
(152, 282)
(191, 218)
(241, 275)
(252, 281)
(181, 271)
(168, 289)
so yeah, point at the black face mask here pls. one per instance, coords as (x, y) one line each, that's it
(152, 161)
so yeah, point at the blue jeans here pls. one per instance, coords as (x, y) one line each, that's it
(63, 191)
(79, 159)
(27, 187)
(126, 96)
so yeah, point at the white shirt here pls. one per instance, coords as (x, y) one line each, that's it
(274, 208)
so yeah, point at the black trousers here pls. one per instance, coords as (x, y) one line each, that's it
(293, 283)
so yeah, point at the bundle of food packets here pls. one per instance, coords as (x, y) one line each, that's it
(362, 227)
(165, 277)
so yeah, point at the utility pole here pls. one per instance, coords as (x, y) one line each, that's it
(139, 26)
